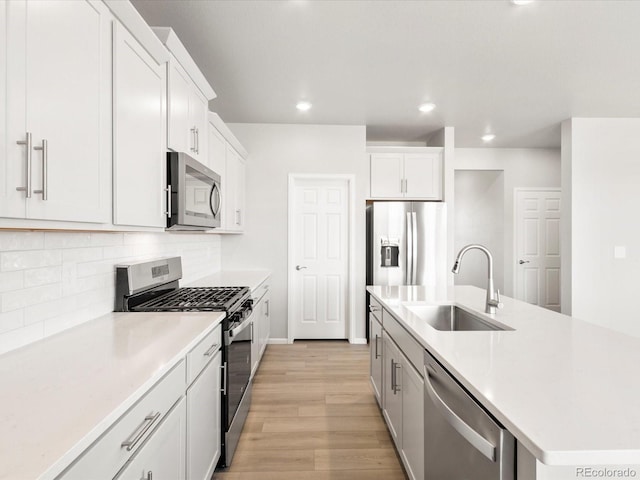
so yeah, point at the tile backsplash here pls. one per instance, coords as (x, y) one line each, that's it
(50, 281)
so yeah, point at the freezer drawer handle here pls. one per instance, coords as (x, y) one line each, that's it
(469, 434)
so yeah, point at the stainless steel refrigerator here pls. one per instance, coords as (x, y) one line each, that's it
(406, 243)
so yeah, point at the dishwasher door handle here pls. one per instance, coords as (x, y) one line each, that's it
(480, 443)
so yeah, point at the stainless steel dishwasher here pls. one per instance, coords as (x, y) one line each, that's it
(461, 440)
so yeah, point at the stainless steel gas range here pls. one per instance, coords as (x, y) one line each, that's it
(153, 287)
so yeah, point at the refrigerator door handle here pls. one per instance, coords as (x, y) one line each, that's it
(410, 237)
(414, 245)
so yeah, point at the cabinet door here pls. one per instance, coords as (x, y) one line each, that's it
(139, 93)
(198, 110)
(412, 421)
(181, 137)
(12, 156)
(203, 422)
(392, 393)
(387, 175)
(255, 341)
(423, 175)
(163, 456)
(68, 109)
(241, 180)
(233, 189)
(266, 323)
(216, 151)
(376, 358)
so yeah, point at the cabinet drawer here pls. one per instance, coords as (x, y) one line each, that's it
(409, 346)
(107, 455)
(260, 291)
(198, 358)
(375, 308)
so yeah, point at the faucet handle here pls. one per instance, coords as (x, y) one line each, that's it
(499, 304)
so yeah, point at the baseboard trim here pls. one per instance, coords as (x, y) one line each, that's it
(358, 341)
(278, 341)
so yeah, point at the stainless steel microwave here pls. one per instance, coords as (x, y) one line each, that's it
(194, 201)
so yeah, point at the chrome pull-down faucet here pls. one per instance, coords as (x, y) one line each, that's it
(493, 296)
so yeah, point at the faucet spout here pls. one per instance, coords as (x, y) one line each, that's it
(493, 297)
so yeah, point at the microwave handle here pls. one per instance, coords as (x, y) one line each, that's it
(215, 190)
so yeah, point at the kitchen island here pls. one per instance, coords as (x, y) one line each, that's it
(566, 389)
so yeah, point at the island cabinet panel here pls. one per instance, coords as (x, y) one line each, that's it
(392, 393)
(412, 421)
(395, 373)
(58, 82)
(375, 351)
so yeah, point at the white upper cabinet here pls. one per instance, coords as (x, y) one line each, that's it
(227, 158)
(57, 164)
(139, 156)
(406, 176)
(234, 188)
(188, 100)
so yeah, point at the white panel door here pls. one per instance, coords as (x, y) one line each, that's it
(68, 106)
(320, 255)
(139, 155)
(537, 238)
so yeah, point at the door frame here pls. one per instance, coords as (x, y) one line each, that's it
(516, 191)
(350, 304)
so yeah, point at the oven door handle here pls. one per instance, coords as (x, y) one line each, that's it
(236, 331)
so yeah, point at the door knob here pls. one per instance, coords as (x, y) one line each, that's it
(523, 261)
(298, 267)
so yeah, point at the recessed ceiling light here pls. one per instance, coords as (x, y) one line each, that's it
(303, 106)
(427, 107)
(521, 2)
(488, 137)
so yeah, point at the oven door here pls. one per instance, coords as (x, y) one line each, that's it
(195, 200)
(238, 366)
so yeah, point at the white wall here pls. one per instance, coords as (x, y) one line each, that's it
(479, 215)
(50, 281)
(523, 167)
(274, 152)
(603, 159)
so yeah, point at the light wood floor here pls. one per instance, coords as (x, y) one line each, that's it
(314, 417)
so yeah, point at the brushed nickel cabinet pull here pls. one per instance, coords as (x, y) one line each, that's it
(212, 350)
(45, 168)
(139, 432)
(27, 143)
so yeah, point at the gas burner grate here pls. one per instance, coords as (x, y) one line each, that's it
(195, 299)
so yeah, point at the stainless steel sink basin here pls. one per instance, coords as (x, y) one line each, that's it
(451, 318)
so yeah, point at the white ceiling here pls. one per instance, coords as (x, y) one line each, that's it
(488, 65)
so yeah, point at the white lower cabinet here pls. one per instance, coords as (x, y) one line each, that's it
(203, 422)
(412, 421)
(392, 393)
(163, 456)
(402, 389)
(261, 324)
(375, 334)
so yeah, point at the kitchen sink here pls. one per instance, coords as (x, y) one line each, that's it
(451, 318)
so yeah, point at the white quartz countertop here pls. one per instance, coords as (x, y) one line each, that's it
(60, 394)
(568, 390)
(233, 278)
